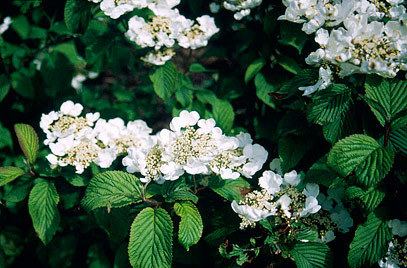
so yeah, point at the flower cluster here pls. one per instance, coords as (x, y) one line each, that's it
(79, 141)
(191, 145)
(397, 251)
(293, 205)
(163, 30)
(354, 36)
(195, 146)
(279, 196)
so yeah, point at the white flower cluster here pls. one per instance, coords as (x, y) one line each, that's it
(191, 145)
(5, 25)
(162, 31)
(279, 196)
(241, 7)
(77, 80)
(81, 140)
(396, 256)
(355, 36)
(195, 146)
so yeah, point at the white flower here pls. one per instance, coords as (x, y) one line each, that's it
(311, 206)
(241, 7)
(214, 7)
(5, 25)
(71, 108)
(292, 178)
(325, 78)
(77, 81)
(116, 8)
(270, 181)
(197, 35)
(256, 156)
(328, 237)
(106, 157)
(251, 213)
(284, 202)
(184, 119)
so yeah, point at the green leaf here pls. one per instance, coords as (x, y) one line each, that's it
(292, 149)
(311, 255)
(303, 78)
(190, 226)
(363, 155)
(42, 205)
(370, 198)
(150, 242)
(391, 95)
(223, 114)
(22, 84)
(28, 140)
(370, 242)
(177, 191)
(339, 128)
(77, 14)
(398, 138)
(166, 80)
(112, 189)
(229, 189)
(8, 174)
(253, 69)
(289, 64)
(330, 104)
(292, 35)
(4, 87)
(263, 89)
(5, 138)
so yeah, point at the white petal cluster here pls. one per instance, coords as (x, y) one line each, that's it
(241, 8)
(5, 25)
(164, 30)
(280, 196)
(396, 256)
(355, 36)
(80, 140)
(195, 146)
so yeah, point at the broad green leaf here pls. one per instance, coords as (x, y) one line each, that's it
(190, 226)
(263, 89)
(253, 69)
(229, 189)
(307, 234)
(370, 242)
(223, 114)
(363, 155)
(166, 80)
(112, 189)
(22, 26)
(150, 242)
(22, 84)
(184, 96)
(391, 95)
(289, 64)
(8, 174)
(330, 104)
(28, 140)
(77, 15)
(5, 138)
(303, 78)
(311, 255)
(370, 198)
(42, 205)
(339, 128)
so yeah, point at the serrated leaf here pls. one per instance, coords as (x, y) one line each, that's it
(330, 104)
(28, 140)
(311, 255)
(363, 155)
(253, 69)
(190, 226)
(398, 138)
(339, 128)
(42, 206)
(229, 189)
(307, 234)
(112, 189)
(263, 89)
(223, 114)
(166, 80)
(370, 242)
(370, 198)
(5, 138)
(77, 15)
(150, 242)
(292, 35)
(177, 191)
(391, 95)
(8, 174)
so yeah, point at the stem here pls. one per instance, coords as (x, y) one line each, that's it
(152, 202)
